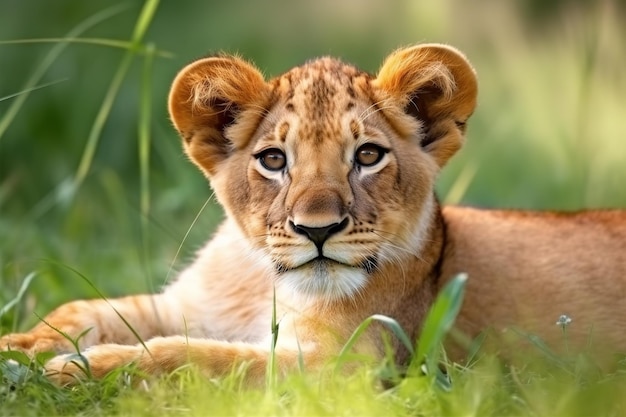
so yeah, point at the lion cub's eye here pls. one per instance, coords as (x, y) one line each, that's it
(369, 154)
(272, 159)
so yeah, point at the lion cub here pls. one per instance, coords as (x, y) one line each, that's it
(326, 175)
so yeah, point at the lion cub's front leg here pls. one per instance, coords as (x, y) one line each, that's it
(91, 322)
(213, 358)
(163, 355)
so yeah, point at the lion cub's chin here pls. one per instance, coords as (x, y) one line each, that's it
(325, 279)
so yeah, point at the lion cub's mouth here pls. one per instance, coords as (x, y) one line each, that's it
(322, 262)
(327, 278)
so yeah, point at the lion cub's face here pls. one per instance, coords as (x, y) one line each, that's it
(327, 170)
(325, 190)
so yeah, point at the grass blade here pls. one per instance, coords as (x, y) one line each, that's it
(145, 18)
(113, 43)
(145, 112)
(439, 320)
(271, 364)
(37, 87)
(19, 295)
(358, 332)
(180, 246)
(54, 53)
(103, 297)
(141, 26)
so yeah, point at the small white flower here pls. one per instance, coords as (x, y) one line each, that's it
(563, 320)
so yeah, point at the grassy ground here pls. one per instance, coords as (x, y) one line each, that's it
(92, 178)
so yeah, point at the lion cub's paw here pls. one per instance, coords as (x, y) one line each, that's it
(33, 343)
(95, 362)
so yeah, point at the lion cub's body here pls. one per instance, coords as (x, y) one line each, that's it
(326, 175)
(535, 267)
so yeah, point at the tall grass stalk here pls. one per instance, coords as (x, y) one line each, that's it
(271, 362)
(144, 140)
(145, 17)
(66, 190)
(50, 58)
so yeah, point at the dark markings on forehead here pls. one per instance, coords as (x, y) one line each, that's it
(320, 81)
(322, 69)
(322, 94)
(282, 131)
(355, 128)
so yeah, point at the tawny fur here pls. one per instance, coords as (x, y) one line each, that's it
(328, 150)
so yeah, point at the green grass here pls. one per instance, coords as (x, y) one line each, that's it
(547, 385)
(92, 180)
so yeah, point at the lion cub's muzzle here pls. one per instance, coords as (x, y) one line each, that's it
(318, 249)
(319, 235)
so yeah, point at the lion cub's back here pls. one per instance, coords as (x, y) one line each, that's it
(528, 268)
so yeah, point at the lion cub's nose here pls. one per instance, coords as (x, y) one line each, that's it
(319, 235)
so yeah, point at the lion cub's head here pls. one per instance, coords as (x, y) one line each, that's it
(327, 170)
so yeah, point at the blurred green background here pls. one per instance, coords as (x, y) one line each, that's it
(549, 132)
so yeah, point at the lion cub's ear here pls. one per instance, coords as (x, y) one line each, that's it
(437, 86)
(209, 102)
